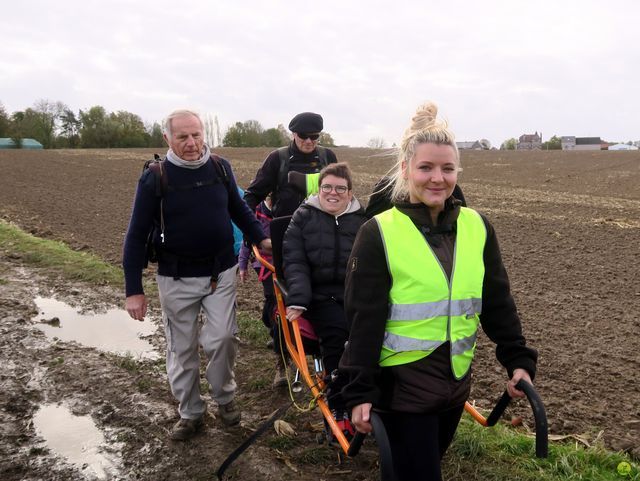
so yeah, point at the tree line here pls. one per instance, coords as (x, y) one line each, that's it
(55, 125)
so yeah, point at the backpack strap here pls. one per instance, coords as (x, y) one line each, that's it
(322, 156)
(285, 157)
(162, 184)
(221, 170)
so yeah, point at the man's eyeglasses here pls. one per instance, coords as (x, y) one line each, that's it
(340, 189)
(309, 136)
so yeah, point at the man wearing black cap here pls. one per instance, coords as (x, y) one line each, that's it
(302, 155)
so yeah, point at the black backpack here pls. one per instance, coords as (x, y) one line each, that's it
(283, 154)
(156, 165)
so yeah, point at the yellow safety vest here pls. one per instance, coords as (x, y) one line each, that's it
(426, 309)
(312, 184)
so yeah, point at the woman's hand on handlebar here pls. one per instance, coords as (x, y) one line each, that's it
(518, 374)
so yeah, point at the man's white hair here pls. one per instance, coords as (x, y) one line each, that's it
(166, 126)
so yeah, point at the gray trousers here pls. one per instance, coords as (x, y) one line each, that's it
(181, 301)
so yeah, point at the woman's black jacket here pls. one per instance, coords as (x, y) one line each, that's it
(316, 249)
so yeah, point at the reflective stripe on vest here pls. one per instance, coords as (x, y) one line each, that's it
(425, 308)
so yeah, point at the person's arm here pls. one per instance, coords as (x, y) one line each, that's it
(265, 182)
(306, 184)
(499, 318)
(295, 264)
(241, 214)
(135, 241)
(366, 305)
(243, 257)
(135, 245)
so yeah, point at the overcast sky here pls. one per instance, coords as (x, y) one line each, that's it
(497, 69)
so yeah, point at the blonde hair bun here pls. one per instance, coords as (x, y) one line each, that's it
(425, 116)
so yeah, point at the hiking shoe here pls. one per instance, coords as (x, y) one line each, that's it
(229, 413)
(270, 344)
(186, 428)
(280, 379)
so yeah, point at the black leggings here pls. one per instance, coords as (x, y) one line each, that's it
(330, 325)
(419, 441)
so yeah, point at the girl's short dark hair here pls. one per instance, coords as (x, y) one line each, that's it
(340, 169)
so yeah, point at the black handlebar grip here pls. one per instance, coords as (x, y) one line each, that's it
(356, 444)
(387, 472)
(498, 410)
(540, 417)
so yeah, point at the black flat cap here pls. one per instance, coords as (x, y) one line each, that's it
(306, 122)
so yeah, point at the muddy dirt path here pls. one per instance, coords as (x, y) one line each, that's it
(127, 402)
(569, 227)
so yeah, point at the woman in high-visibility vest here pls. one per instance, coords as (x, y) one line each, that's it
(421, 278)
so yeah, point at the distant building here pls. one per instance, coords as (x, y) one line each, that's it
(623, 147)
(569, 142)
(530, 141)
(473, 145)
(588, 143)
(7, 143)
(482, 144)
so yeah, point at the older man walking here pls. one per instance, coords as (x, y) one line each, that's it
(191, 198)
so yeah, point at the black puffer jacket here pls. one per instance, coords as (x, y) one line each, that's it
(316, 248)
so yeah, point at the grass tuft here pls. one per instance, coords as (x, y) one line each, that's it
(58, 257)
(502, 452)
(252, 330)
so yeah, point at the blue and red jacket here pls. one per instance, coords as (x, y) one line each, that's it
(264, 216)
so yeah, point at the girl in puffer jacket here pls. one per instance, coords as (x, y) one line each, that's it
(316, 248)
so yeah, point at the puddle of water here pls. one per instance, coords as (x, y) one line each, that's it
(112, 331)
(77, 439)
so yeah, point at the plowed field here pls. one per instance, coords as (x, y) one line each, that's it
(569, 230)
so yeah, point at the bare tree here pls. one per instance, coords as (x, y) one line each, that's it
(284, 133)
(376, 143)
(210, 130)
(47, 116)
(218, 136)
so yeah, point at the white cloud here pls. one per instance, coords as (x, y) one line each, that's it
(496, 68)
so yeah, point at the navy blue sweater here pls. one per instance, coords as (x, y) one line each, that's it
(198, 236)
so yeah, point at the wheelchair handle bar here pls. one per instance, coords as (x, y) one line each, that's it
(539, 415)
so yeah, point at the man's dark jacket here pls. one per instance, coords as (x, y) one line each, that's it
(286, 198)
(198, 237)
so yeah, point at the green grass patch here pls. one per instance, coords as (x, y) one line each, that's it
(56, 361)
(252, 330)
(318, 455)
(501, 452)
(144, 384)
(58, 257)
(282, 443)
(128, 363)
(258, 384)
